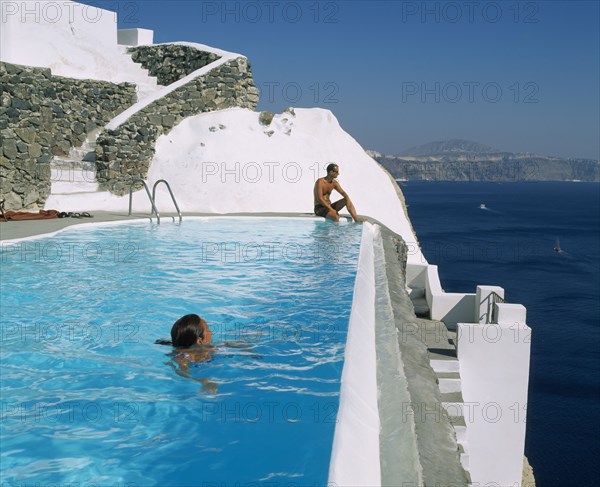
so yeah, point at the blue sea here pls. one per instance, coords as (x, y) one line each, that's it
(510, 243)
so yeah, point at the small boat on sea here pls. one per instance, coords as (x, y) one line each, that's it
(482, 206)
(557, 246)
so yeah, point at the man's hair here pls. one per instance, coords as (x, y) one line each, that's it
(187, 330)
(331, 167)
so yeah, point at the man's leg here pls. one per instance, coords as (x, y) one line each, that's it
(322, 211)
(339, 204)
(345, 202)
(332, 215)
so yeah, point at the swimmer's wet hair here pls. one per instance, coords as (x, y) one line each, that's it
(187, 330)
(331, 167)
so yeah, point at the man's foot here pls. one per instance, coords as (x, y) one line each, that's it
(359, 219)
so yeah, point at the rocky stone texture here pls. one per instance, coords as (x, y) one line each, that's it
(171, 62)
(509, 168)
(124, 154)
(464, 160)
(265, 118)
(41, 116)
(528, 476)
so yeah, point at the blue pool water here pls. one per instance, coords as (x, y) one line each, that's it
(88, 397)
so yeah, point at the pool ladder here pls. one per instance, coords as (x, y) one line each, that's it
(152, 198)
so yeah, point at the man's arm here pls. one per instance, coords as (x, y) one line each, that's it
(320, 197)
(349, 204)
(339, 189)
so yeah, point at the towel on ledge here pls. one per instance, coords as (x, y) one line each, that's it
(25, 215)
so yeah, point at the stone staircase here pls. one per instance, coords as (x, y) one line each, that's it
(73, 177)
(75, 173)
(419, 301)
(439, 458)
(441, 347)
(134, 73)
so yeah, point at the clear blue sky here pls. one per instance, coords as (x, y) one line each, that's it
(519, 76)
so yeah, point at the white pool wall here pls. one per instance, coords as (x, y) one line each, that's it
(355, 452)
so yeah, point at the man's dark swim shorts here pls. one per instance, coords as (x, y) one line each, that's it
(320, 210)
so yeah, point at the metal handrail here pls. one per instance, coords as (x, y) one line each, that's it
(494, 298)
(170, 192)
(154, 210)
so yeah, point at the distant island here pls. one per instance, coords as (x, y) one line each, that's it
(463, 160)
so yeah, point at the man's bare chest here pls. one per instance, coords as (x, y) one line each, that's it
(327, 187)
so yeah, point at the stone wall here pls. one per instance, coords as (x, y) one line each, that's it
(171, 62)
(42, 116)
(124, 154)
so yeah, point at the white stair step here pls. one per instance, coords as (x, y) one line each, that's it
(123, 48)
(463, 449)
(133, 72)
(454, 409)
(416, 292)
(72, 174)
(93, 136)
(83, 154)
(449, 384)
(460, 428)
(64, 187)
(73, 177)
(454, 405)
(74, 201)
(421, 306)
(442, 364)
(461, 433)
(66, 161)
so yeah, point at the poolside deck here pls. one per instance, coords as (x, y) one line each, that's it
(30, 228)
(438, 452)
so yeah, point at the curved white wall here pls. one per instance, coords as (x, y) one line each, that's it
(239, 168)
(224, 162)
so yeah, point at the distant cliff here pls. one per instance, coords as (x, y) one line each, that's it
(462, 160)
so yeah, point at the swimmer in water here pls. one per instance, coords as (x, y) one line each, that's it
(190, 330)
(192, 338)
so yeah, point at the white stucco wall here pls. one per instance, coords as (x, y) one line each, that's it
(224, 57)
(135, 37)
(239, 168)
(71, 38)
(494, 371)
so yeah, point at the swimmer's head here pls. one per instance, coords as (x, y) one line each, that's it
(190, 330)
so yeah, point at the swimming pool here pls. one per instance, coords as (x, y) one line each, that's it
(88, 397)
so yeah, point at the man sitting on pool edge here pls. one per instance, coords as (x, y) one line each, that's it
(322, 191)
